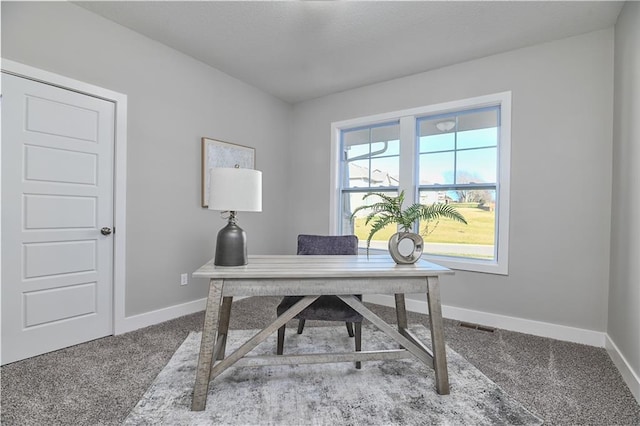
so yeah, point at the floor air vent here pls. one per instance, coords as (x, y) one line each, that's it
(477, 327)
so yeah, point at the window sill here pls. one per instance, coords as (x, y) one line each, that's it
(469, 265)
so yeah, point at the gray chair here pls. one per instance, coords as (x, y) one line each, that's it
(325, 308)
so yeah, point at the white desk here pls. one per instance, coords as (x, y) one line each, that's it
(313, 276)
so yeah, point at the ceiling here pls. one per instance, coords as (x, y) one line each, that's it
(300, 50)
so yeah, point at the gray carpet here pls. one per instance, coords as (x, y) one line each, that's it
(398, 392)
(99, 382)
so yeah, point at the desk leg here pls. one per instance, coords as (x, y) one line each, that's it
(437, 336)
(401, 312)
(223, 327)
(205, 359)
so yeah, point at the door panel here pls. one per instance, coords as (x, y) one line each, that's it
(57, 304)
(57, 192)
(60, 165)
(54, 117)
(59, 211)
(55, 258)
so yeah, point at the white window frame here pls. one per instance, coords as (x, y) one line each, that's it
(408, 170)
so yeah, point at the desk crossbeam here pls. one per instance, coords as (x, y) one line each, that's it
(261, 336)
(324, 358)
(388, 330)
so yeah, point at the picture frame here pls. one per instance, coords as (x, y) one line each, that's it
(217, 153)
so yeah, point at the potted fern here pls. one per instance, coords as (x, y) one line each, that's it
(389, 210)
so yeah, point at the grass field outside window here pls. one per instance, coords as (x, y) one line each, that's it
(447, 234)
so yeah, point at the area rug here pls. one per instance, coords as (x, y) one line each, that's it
(393, 392)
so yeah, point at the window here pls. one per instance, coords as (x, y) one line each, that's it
(456, 153)
(370, 163)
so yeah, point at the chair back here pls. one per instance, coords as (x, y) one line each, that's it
(327, 244)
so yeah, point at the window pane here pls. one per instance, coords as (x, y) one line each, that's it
(479, 119)
(359, 150)
(436, 168)
(351, 201)
(371, 156)
(385, 171)
(478, 138)
(445, 142)
(386, 132)
(446, 237)
(356, 174)
(477, 166)
(438, 125)
(385, 149)
(370, 135)
(372, 173)
(356, 136)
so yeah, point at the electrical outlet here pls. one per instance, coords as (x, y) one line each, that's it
(184, 279)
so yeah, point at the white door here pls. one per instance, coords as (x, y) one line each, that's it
(57, 194)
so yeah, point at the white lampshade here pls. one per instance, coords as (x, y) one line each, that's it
(234, 189)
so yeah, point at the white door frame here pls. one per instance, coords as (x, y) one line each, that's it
(120, 171)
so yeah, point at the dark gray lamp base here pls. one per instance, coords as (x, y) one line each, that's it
(231, 245)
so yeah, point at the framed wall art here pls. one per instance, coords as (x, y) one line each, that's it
(217, 153)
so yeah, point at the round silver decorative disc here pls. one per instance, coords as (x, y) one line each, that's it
(394, 247)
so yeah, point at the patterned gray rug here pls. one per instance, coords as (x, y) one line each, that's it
(398, 392)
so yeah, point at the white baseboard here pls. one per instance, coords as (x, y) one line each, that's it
(161, 315)
(537, 328)
(630, 377)
(146, 319)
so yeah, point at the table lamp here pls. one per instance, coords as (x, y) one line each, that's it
(233, 190)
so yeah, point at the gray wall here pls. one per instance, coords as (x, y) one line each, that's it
(561, 157)
(173, 101)
(624, 291)
(560, 172)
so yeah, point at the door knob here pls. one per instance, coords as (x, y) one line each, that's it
(105, 231)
